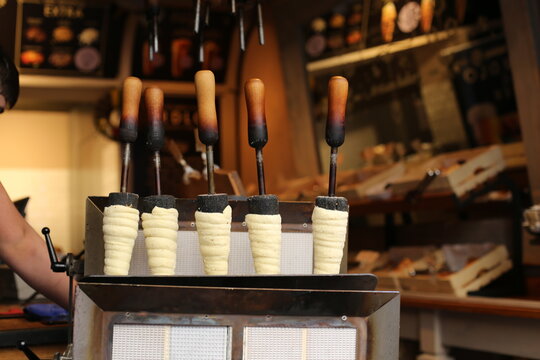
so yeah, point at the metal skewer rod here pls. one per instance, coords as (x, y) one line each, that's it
(157, 167)
(260, 171)
(210, 169)
(260, 24)
(155, 37)
(197, 16)
(207, 13)
(332, 173)
(152, 15)
(126, 156)
(241, 29)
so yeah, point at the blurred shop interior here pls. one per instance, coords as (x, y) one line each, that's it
(438, 164)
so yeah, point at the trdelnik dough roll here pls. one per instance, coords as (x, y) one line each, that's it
(329, 235)
(120, 229)
(214, 230)
(160, 229)
(265, 239)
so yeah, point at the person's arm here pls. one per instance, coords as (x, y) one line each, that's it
(26, 253)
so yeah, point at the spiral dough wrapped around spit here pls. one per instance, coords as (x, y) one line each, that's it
(160, 230)
(214, 230)
(120, 229)
(329, 234)
(265, 238)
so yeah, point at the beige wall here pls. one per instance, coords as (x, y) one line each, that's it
(95, 168)
(57, 159)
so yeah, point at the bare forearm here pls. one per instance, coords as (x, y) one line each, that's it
(29, 259)
(26, 253)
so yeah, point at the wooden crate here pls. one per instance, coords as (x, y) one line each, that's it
(514, 155)
(471, 278)
(373, 186)
(351, 184)
(461, 171)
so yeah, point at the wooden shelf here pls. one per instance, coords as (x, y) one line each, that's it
(182, 88)
(57, 92)
(48, 92)
(62, 82)
(376, 51)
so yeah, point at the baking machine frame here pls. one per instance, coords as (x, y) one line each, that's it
(237, 302)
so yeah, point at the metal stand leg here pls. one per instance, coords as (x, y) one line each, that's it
(431, 343)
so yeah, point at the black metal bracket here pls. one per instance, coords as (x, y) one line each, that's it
(21, 345)
(56, 265)
(414, 195)
(69, 266)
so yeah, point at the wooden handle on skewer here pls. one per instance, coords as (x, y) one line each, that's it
(154, 105)
(205, 86)
(338, 88)
(131, 98)
(257, 131)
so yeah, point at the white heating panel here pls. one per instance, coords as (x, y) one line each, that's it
(139, 342)
(279, 343)
(164, 342)
(296, 255)
(199, 343)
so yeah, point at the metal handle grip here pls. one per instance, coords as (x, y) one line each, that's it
(21, 345)
(56, 265)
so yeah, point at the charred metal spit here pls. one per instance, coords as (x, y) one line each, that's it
(237, 8)
(156, 133)
(152, 16)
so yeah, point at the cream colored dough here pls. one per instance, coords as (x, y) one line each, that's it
(120, 229)
(329, 233)
(214, 231)
(160, 230)
(265, 239)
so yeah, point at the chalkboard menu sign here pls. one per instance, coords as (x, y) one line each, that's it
(61, 37)
(480, 73)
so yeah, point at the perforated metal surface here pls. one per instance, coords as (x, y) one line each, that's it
(266, 343)
(331, 344)
(199, 343)
(149, 342)
(296, 255)
(139, 342)
(278, 343)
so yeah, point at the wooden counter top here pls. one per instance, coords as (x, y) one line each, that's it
(42, 339)
(44, 352)
(474, 304)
